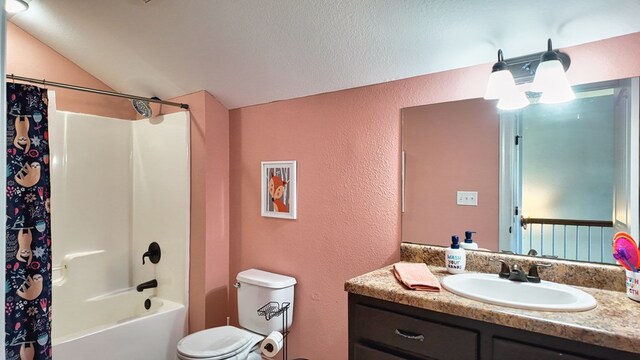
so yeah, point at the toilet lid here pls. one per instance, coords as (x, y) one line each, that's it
(220, 342)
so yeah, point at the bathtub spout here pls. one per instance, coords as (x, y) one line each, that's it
(147, 285)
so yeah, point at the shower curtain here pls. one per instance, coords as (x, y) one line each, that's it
(28, 255)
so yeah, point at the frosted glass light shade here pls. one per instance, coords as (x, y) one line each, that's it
(513, 100)
(558, 94)
(552, 82)
(500, 83)
(15, 6)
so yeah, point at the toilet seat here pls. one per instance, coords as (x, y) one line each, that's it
(224, 342)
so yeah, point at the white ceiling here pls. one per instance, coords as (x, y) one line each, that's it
(247, 52)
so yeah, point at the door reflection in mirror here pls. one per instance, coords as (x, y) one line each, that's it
(571, 173)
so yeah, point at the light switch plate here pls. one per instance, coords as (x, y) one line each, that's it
(467, 198)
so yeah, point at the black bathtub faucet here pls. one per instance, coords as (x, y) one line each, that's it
(147, 285)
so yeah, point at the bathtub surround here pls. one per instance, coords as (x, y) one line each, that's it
(209, 163)
(28, 234)
(160, 202)
(141, 168)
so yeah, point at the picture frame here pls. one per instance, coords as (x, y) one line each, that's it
(278, 189)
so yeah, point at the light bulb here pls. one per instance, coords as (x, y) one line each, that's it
(513, 100)
(552, 82)
(15, 6)
(500, 83)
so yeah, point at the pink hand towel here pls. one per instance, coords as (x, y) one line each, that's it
(416, 276)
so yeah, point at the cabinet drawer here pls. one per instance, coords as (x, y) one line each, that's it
(508, 350)
(418, 336)
(362, 352)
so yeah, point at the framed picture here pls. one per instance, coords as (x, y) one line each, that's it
(279, 189)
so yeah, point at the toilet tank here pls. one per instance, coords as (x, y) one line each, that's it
(262, 298)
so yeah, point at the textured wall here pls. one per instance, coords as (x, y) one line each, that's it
(27, 56)
(451, 147)
(217, 213)
(347, 147)
(347, 144)
(209, 230)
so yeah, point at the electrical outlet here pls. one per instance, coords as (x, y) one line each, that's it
(467, 198)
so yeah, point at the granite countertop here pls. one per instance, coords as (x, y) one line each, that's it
(614, 323)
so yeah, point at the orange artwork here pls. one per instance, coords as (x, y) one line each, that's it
(279, 189)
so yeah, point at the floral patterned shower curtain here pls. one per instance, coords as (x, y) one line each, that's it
(28, 262)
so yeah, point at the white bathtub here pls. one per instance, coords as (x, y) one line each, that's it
(117, 326)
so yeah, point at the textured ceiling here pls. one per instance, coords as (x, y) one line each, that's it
(247, 52)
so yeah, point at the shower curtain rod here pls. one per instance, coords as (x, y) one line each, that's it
(94, 91)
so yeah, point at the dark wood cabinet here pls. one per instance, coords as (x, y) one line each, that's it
(504, 349)
(418, 336)
(361, 352)
(381, 330)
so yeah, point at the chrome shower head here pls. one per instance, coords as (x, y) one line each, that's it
(142, 108)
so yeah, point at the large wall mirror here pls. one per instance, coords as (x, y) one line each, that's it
(552, 180)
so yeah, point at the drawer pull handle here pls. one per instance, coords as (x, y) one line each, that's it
(410, 336)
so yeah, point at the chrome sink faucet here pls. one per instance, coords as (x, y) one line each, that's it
(516, 273)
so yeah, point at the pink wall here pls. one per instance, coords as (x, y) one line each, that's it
(450, 147)
(217, 213)
(347, 144)
(209, 244)
(27, 56)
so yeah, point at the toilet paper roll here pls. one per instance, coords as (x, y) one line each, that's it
(272, 344)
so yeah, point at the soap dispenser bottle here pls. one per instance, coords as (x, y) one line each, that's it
(455, 257)
(468, 242)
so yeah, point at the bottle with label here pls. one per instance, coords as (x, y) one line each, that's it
(455, 257)
(468, 242)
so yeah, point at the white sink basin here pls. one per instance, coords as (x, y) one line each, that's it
(545, 296)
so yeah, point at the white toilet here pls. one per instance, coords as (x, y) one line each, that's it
(261, 295)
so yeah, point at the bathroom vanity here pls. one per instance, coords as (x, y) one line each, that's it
(383, 330)
(389, 322)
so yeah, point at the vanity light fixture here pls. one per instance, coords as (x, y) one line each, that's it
(502, 86)
(499, 80)
(551, 80)
(545, 69)
(15, 6)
